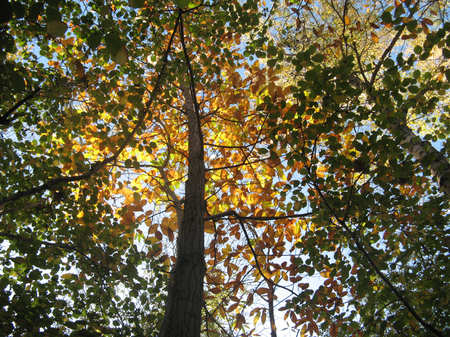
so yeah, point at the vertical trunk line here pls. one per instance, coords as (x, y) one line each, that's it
(273, 326)
(183, 316)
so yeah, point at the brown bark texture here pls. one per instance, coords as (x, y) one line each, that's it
(183, 314)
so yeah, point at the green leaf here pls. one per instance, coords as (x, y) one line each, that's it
(389, 63)
(35, 10)
(446, 53)
(182, 3)
(113, 43)
(386, 17)
(136, 3)
(56, 28)
(121, 56)
(19, 260)
(272, 50)
(418, 49)
(6, 12)
(17, 81)
(19, 9)
(94, 39)
(318, 58)
(411, 26)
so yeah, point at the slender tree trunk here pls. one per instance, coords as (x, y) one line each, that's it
(185, 298)
(273, 326)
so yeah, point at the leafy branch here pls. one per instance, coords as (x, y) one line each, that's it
(101, 164)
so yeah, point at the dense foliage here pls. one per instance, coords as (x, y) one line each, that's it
(224, 166)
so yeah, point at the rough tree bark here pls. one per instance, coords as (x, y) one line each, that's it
(185, 296)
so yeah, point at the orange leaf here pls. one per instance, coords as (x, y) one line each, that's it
(333, 330)
(347, 20)
(263, 317)
(233, 307)
(234, 299)
(80, 69)
(209, 227)
(240, 319)
(250, 299)
(262, 291)
(170, 235)
(374, 37)
(236, 79)
(313, 327)
(237, 114)
(215, 290)
(272, 89)
(425, 27)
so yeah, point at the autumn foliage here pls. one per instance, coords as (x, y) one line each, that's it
(223, 168)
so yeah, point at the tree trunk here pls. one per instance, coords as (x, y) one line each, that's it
(273, 326)
(183, 315)
(426, 154)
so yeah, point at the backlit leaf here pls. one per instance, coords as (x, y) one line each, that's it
(56, 28)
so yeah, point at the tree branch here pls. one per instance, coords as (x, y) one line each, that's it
(261, 218)
(101, 164)
(46, 243)
(5, 120)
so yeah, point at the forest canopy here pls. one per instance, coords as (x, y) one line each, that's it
(224, 168)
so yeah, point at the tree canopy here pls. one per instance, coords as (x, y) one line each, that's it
(212, 168)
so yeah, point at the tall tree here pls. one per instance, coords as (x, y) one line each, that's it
(171, 167)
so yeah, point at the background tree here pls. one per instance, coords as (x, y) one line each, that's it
(358, 106)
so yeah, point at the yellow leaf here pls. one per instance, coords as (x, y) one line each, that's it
(152, 240)
(256, 318)
(109, 66)
(304, 330)
(347, 20)
(67, 276)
